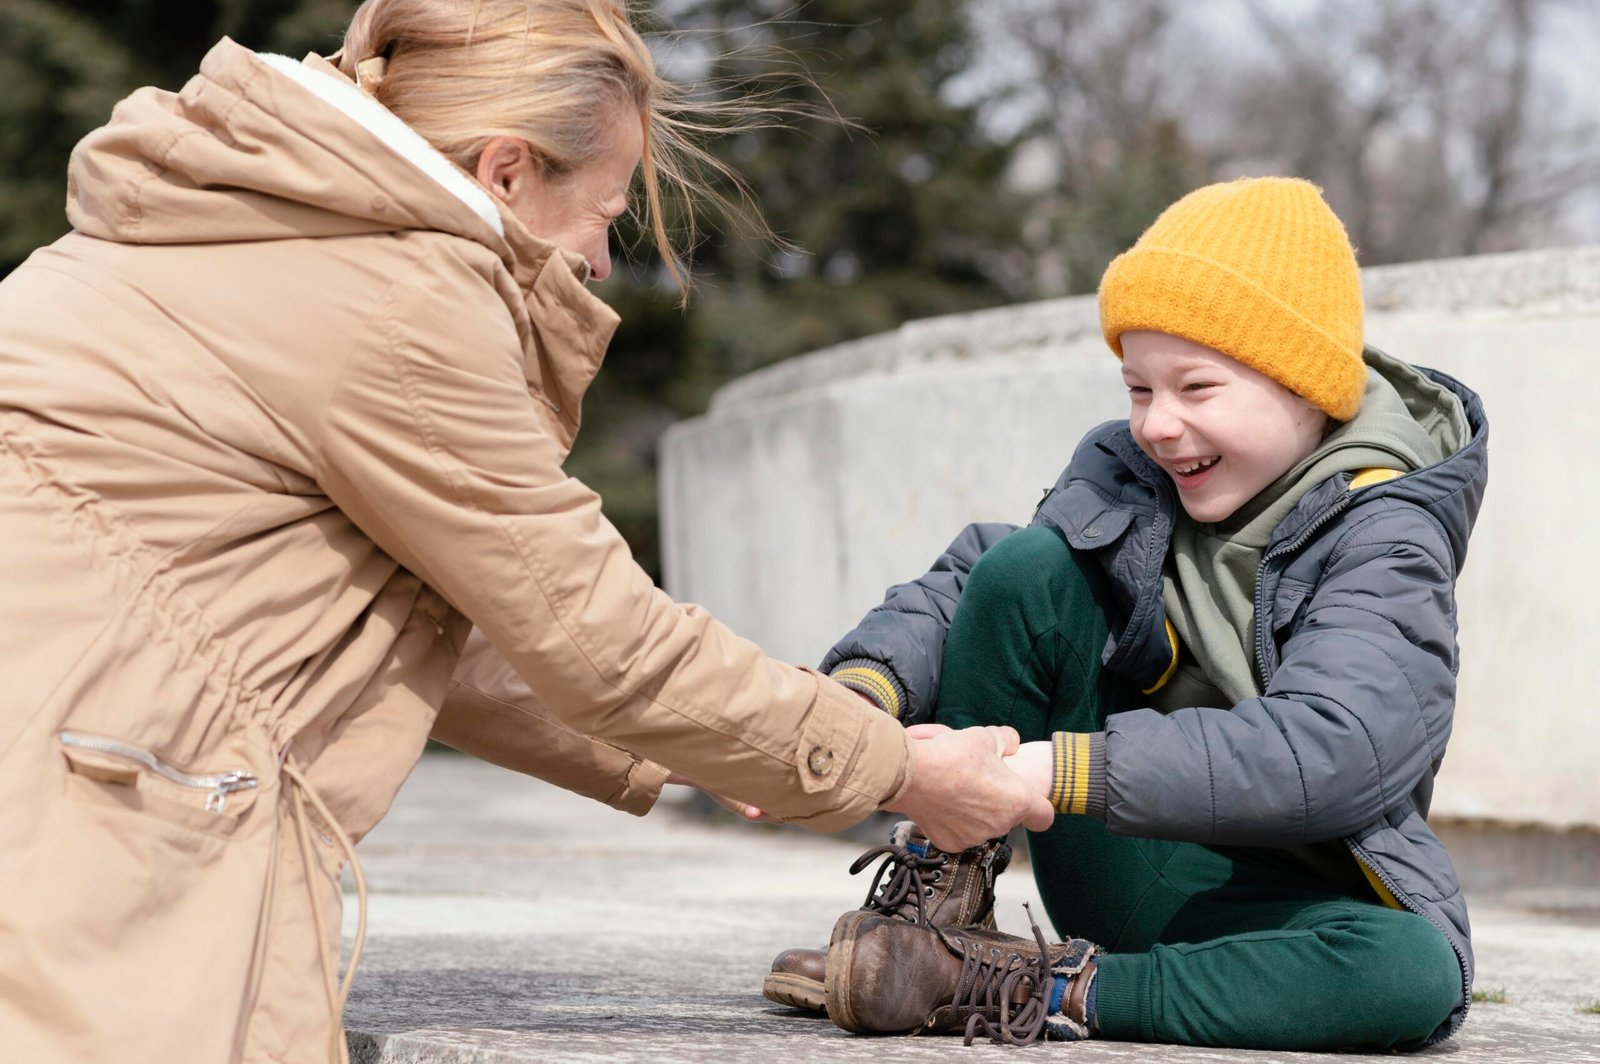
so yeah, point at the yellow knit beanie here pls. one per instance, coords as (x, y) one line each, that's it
(1259, 269)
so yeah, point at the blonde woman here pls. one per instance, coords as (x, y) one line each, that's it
(282, 425)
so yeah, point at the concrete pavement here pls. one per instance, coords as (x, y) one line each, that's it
(510, 922)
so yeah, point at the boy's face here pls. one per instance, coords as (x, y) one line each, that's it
(1218, 428)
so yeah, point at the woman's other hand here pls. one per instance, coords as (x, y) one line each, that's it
(732, 805)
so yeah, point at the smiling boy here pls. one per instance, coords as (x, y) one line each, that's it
(1228, 640)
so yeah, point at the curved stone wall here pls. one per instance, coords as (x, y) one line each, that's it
(811, 486)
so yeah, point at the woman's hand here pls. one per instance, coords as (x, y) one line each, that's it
(962, 793)
(737, 808)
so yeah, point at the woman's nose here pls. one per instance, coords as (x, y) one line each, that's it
(600, 266)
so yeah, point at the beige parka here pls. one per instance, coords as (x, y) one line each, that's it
(282, 425)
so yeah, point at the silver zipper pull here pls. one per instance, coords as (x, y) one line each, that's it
(226, 784)
(219, 784)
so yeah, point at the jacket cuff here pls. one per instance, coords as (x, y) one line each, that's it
(873, 679)
(854, 758)
(1078, 783)
(640, 789)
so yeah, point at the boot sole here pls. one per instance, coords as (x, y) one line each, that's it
(796, 991)
(836, 985)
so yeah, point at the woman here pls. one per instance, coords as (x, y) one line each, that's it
(280, 422)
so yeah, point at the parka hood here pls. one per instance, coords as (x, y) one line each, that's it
(260, 147)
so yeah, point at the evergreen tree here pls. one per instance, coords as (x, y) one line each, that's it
(901, 214)
(899, 211)
(64, 64)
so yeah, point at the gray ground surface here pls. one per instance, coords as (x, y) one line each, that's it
(510, 921)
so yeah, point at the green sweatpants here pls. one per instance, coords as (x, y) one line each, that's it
(1202, 947)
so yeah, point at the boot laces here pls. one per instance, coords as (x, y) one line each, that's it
(910, 878)
(993, 979)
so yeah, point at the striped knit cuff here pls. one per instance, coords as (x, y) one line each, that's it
(874, 680)
(1078, 785)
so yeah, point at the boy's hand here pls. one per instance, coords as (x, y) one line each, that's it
(961, 792)
(1035, 763)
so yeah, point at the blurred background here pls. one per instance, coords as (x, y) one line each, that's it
(992, 152)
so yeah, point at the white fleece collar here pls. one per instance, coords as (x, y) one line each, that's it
(399, 137)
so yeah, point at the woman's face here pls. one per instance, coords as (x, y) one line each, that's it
(573, 211)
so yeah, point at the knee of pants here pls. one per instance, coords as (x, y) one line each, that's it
(1030, 570)
(1410, 979)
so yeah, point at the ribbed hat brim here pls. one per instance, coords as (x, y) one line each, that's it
(1177, 292)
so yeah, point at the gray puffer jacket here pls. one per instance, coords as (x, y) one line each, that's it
(1355, 641)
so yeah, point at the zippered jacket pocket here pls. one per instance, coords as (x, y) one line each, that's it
(103, 768)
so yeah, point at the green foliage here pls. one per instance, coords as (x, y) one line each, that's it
(903, 214)
(59, 75)
(891, 204)
(1495, 996)
(1591, 1009)
(63, 65)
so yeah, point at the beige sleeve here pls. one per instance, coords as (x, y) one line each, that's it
(491, 713)
(436, 447)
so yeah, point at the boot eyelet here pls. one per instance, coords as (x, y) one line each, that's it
(927, 892)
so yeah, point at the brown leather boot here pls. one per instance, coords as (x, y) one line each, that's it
(918, 883)
(888, 976)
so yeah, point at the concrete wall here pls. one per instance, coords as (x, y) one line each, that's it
(811, 486)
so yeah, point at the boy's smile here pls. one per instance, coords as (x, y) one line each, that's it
(1218, 428)
(1190, 475)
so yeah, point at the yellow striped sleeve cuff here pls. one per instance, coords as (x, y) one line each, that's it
(1078, 783)
(874, 680)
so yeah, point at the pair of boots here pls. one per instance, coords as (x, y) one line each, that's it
(922, 955)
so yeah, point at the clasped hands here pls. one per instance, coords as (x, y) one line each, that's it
(967, 785)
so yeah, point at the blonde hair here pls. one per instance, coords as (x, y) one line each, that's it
(554, 73)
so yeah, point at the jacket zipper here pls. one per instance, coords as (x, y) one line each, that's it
(1263, 623)
(1360, 855)
(220, 784)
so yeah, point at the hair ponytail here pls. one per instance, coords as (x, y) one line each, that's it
(558, 74)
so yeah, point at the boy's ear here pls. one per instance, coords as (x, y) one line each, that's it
(1319, 415)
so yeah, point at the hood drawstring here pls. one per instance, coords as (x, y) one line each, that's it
(299, 795)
